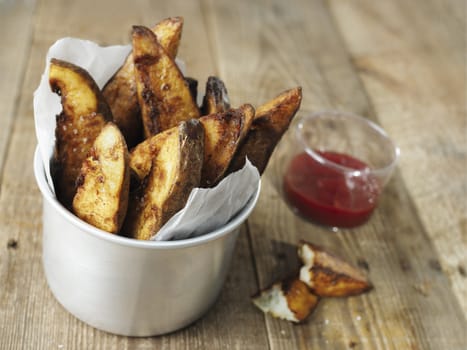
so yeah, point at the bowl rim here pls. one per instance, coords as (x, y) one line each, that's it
(357, 119)
(47, 195)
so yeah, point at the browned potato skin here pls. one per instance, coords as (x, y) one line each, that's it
(120, 90)
(84, 114)
(163, 94)
(164, 192)
(216, 98)
(333, 277)
(301, 301)
(223, 133)
(270, 123)
(104, 182)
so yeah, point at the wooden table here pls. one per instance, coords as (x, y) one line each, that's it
(401, 63)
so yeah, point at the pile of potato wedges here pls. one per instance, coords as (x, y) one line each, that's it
(127, 157)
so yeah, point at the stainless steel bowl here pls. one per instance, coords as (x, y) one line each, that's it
(130, 287)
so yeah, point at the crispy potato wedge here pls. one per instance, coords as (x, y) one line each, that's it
(270, 123)
(120, 90)
(84, 114)
(169, 33)
(216, 98)
(223, 133)
(103, 185)
(142, 155)
(290, 300)
(329, 276)
(175, 171)
(163, 93)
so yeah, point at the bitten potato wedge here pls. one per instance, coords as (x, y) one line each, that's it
(290, 300)
(223, 133)
(270, 123)
(120, 90)
(216, 98)
(175, 171)
(103, 185)
(84, 114)
(328, 275)
(163, 94)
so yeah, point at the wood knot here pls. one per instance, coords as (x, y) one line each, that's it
(12, 244)
(363, 264)
(435, 265)
(461, 270)
(405, 265)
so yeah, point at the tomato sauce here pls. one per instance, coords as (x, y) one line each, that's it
(325, 195)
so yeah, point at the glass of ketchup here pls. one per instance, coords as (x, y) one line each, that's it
(337, 169)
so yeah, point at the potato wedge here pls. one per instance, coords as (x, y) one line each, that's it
(163, 94)
(329, 276)
(120, 90)
(84, 114)
(175, 171)
(290, 300)
(223, 133)
(142, 155)
(103, 184)
(216, 98)
(270, 123)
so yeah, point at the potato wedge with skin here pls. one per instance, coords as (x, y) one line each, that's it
(169, 33)
(290, 300)
(175, 171)
(329, 276)
(84, 114)
(216, 98)
(270, 123)
(163, 94)
(120, 90)
(104, 182)
(142, 155)
(223, 133)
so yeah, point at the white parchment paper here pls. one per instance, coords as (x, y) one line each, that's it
(206, 209)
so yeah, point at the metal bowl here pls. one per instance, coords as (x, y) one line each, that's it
(130, 287)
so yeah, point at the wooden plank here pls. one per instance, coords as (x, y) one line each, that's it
(30, 317)
(412, 62)
(16, 29)
(259, 49)
(411, 306)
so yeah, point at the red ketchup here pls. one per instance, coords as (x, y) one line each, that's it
(322, 193)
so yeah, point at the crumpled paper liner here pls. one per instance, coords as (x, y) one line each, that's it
(205, 210)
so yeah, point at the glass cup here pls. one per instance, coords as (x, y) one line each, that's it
(334, 168)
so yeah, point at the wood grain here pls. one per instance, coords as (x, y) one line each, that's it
(16, 21)
(37, 320)
(400, 63)
(418, 88)
(395, 245)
